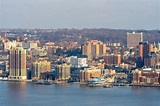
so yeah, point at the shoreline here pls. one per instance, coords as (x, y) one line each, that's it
(82, 83)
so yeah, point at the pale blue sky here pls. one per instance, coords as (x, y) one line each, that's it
(119, 14)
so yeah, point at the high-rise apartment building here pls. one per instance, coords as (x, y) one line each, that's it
(93, 48)
(133, 39)
(62, 72)
(145, 48)
(112, 59)
(39, 67)
(17, 64)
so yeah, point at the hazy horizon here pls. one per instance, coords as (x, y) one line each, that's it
(53, 14)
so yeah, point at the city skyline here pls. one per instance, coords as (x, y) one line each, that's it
(121, 14)
(79, 52)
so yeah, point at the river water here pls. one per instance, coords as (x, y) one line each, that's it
(30, 94)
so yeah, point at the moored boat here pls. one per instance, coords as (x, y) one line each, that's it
(44, 82)
(39, 82)
(107, 86)
(47, 82)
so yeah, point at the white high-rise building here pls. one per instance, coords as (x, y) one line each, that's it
(78, 62)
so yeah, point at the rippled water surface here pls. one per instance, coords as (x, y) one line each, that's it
(29, 94)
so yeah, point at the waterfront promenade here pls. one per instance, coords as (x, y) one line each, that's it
(83, 83)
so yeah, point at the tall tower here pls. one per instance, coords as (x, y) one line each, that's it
(17, 64)
(144, 49)
(133, 39)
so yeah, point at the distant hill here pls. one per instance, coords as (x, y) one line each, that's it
(82, 35)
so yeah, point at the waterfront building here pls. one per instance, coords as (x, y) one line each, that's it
(93, 48)
(133, 39)
(39, 67)
(146, 76)
(136, 76)
(4, 66)
(77, 63)
(87, 73)
(17, 64)
(62, 72)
